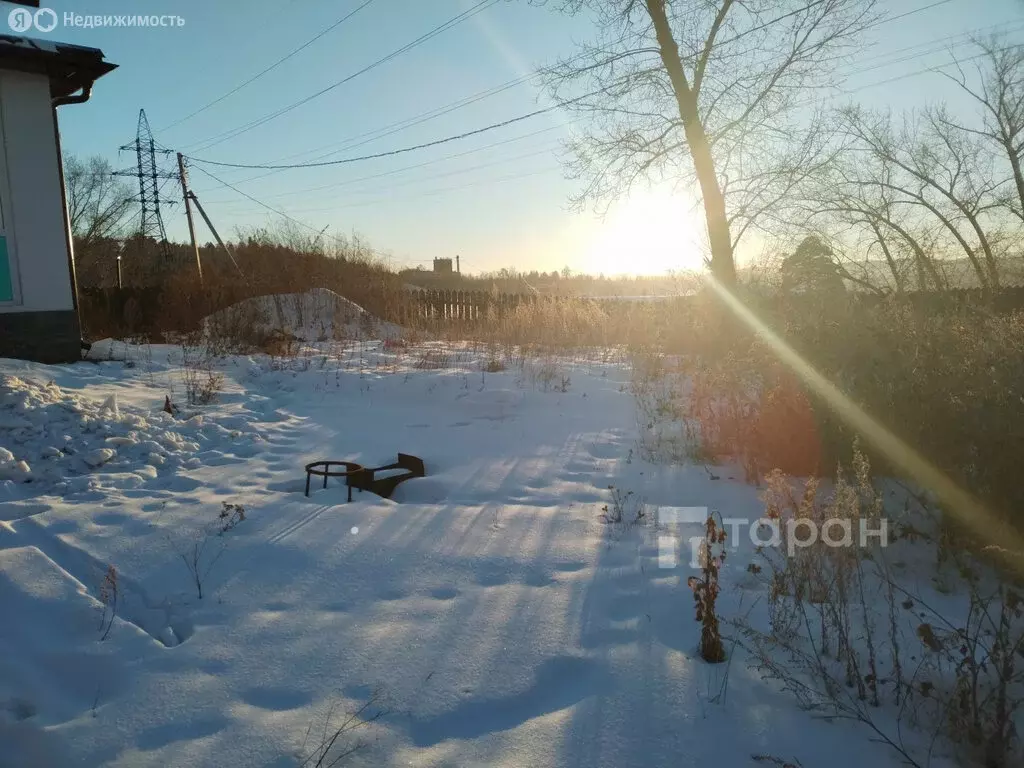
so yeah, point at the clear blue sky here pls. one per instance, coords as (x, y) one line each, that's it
(502, 206)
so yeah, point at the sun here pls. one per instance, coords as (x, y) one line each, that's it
(650, 233)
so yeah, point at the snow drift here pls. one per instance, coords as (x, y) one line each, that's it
(316, 315)
(52, 440)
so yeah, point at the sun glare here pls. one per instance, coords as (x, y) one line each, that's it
(650, 233)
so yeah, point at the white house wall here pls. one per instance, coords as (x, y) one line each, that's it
(33, 205)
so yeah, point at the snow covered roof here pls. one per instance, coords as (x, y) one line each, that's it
(70, 67)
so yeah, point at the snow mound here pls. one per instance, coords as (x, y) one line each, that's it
(317, 315)
(54, 441)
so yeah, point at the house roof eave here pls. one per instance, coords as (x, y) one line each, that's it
(69, 67)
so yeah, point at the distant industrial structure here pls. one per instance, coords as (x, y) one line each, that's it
(444, 266)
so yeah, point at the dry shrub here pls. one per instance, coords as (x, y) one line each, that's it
(827, 625)
(109, 589)
(944, 379)
(547, 372)
(551, 324)
(722, 409)
(977, 706)
(946, 382)
(849, 636)
(706, 590)
(786, 430)
(431, 360)
(199, 353)
(732, 410)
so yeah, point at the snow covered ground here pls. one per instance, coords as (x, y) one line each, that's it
(485, 616)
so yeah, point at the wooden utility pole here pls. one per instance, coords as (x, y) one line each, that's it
(202, 212)
(188, 213)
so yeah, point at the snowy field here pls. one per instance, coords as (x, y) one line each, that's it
(485, 616)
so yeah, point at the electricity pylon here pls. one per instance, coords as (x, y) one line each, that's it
(151, 222)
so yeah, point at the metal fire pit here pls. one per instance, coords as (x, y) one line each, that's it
(324, 469)
(362, 478)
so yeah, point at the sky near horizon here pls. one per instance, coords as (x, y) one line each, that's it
(499, 199)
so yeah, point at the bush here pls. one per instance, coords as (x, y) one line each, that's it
(850, 636)
(944, 380)
(946, 383)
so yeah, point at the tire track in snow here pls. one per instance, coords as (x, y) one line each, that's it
(296, 526)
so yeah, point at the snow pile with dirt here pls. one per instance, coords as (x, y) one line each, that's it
(55, 441)
(317, 315)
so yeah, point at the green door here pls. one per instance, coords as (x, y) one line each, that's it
(6, 271)
(6, 283)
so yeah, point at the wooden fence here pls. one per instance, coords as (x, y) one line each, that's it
(450, 306)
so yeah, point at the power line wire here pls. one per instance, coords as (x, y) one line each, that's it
(273, 66)
(926, 70)
(258, 202)
(432, 193)
(422, 117)
(913, 11)
(463, 135)
(407, 182)
(939, 45)
(809, 6)
(380, 133)
(455, 20)
(930, 46)
(392, 172)
(501, 124)
(403, 150)
(427, 193)
(452, 106)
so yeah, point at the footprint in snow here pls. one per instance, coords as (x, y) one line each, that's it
(559, 683)
(276, 699)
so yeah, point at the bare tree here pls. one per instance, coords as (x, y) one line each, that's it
(704, 90)
(99, 204)
(999, 91)
(855, 205)
(932, 165)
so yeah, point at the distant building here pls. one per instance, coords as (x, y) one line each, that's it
(443, 266)
(38, 297)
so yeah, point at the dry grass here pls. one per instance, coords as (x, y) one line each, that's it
(945, 382)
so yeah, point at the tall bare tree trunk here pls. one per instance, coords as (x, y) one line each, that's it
(722, 265)
(1018, 175)
(880, 239)
(922, 263)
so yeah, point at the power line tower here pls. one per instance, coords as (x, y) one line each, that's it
(151, 178)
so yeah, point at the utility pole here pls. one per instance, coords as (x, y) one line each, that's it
(188, 213)
(316, 243)
(202, 212)
(458, 269)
